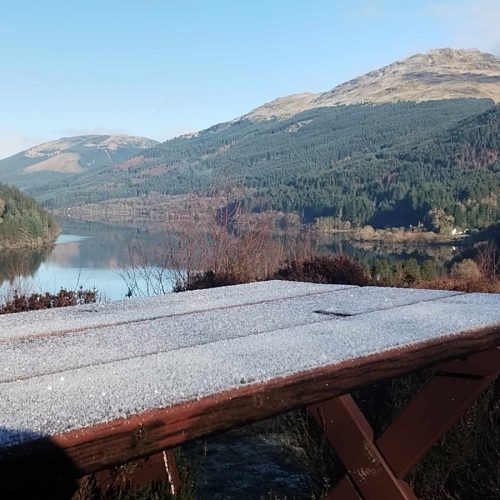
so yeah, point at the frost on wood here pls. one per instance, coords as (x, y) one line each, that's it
(77, 367)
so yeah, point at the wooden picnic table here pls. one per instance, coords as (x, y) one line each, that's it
(88, 387)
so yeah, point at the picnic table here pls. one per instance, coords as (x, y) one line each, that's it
(89, 387)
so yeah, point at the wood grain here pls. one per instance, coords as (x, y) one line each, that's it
(88, 450)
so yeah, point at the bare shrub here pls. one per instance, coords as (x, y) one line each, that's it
(149, 272)
(234, 247)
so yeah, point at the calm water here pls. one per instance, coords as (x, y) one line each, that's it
(88, 255)
(94, 255)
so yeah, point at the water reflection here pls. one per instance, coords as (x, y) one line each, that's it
(21, 263)
(88, 254)
(369, 252)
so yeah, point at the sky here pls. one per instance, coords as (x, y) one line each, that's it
(160, 68)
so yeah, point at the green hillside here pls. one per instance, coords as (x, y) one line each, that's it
(413, 142)
(383, 164)
(22, 222)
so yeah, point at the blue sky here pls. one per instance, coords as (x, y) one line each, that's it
(159, 68)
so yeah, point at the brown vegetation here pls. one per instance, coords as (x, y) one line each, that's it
(479, 275)
(231, 247)
(242, 256)
(325, 269)
(21, 302)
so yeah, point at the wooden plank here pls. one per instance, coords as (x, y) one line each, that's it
(76, 398)
(56, 353)
(136, 474)
(57, 321)
(123, 440)
(372, 298)
(70, 350)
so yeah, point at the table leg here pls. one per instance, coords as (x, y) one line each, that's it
(376, 469)
(172, 471)
(347, 430)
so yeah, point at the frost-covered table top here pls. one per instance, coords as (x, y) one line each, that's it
(248, 350)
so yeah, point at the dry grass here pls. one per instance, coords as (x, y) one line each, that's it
(461, 284)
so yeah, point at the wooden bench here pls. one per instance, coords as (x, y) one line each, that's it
(89, 387)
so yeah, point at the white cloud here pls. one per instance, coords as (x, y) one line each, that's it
(473, 23)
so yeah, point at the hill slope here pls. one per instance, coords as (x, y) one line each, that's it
(386, 165)
(69, 155)
(378, 163)
(437, 74)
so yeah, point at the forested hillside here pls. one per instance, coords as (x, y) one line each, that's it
(385, 165)
(412, 143)
(22, 222)
(450, 178)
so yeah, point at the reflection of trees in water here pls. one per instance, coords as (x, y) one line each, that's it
(21, 263)
(159, 246)
(119, 246)
(484, 249)
(108, 245)
(369, 252)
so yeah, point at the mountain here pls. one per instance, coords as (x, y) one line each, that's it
(70, 155)
(22, 222)
(380, 163)
(437, 74)
(385, 165)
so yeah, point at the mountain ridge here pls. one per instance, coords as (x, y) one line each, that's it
(369, 163)
(75, 154)
(434, 75)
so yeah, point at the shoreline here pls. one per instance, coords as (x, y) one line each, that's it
(395, 235)
(34, 244)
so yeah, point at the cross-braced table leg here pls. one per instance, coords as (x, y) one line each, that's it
(347, 430)
(375, 469)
